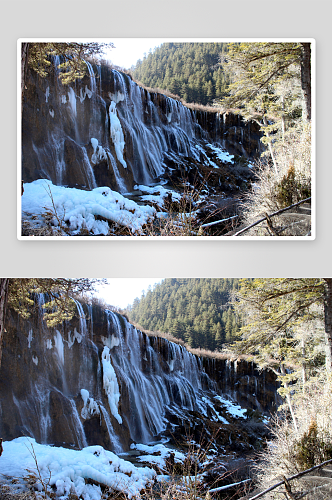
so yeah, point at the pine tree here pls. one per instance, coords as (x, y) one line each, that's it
(276, 307)
(186, 69)
(190, 309)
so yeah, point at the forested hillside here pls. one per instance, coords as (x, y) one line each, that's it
(196, 310)
(190, 70)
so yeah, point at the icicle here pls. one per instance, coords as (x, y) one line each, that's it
(59, 346)
(72, 101)
(117, 133)
(110, 383)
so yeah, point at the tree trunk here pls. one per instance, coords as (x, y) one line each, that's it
(24, 66)
(289, 400)
(306, 79)
(328, 322)
(270, 147)
(304, 375)
(3, 304)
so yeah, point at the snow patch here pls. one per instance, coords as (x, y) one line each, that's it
(160, 449)
(222, 154)
(157, 194)
(232, 408)
(78, 208)
(68, 471)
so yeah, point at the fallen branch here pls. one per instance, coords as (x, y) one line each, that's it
(208, 224)
(267, 217)
(300, 474)
(214, 490)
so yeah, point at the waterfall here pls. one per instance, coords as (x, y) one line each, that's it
(140, 134)
(117, 448)
(99, 378)
(77, 424)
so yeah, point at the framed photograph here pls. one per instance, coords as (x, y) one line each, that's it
(166, 138)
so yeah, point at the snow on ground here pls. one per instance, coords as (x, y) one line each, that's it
(78, 208)
(157, 454)
(68, 470)
(157, 194)
(232, 408)
(222, 154)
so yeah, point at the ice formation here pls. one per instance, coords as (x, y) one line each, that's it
(76, 336)
(90, 407)
(111, 342)
(30, 338)
(117, 134)
(111, 385)
(59, 346)
(72, 100)
(98, 152)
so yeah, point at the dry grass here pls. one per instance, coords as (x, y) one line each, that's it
(277, 189)
(291, 450)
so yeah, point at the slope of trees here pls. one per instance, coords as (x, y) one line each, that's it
(195, 310)
(189, 70)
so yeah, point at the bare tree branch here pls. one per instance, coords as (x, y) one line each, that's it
(271, 215)
(300, 474)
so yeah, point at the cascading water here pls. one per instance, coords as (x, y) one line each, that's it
(106, 123)
(99, 380)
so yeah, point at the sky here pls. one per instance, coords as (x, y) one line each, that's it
(128, 51)
(121, 292)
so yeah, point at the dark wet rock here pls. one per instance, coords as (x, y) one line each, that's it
(58, 123)
(44, 370)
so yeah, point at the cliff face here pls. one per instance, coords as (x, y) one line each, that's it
(98, 380)
(105, 130)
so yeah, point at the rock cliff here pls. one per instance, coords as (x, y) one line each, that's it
(105, 130)
(99, 380)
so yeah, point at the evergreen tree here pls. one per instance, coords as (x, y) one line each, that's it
(256, 67)
(185, 69)
(275, 308)
(192, 310)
